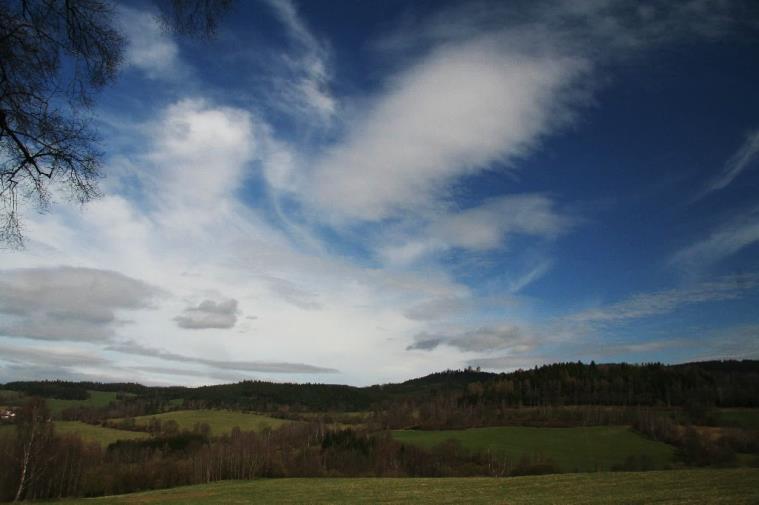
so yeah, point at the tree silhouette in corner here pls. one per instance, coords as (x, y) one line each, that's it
(54, 56)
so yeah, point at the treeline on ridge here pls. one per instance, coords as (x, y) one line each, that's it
(715, 383)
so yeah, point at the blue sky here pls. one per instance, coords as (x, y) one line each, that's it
(364, 192)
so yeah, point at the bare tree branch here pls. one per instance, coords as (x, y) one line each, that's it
(54, 56)
(43, 138)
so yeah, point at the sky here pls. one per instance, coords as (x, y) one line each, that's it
(364, 192)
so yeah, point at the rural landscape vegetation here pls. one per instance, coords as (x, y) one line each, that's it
(622, 431)
(455, 251)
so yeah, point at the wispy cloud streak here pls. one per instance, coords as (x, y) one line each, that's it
(310, 64)
(246, 366)
(664, 302)
(743, 159)
(724, 241)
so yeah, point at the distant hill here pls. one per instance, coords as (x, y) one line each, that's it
(728, 383)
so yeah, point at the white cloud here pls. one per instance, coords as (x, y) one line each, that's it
(484, 227)
(515, 338)
(200, 152)
(456, 112)
(207, 314)
(66, 303)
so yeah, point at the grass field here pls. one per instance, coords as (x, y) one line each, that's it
(220, 421)
(673, 487)
(573, 449)
(741, 418)
(96, 399)
(88, 432)
(7, 395)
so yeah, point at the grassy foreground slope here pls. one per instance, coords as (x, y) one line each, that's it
(573, 449)
(681, 487)
(220, 421)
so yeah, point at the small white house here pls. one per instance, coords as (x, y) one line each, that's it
(7, 414)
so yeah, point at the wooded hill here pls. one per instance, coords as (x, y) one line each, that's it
(714, 383)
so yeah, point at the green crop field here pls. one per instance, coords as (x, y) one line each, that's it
(673, 487)
(573, 449)
(220, 421)
(96, 399)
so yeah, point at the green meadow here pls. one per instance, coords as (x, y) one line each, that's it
(88, 432)
(573, 449)
(741, 418)
(96, 399)
(92, 433)
(672, 487)
(9, 396)
(220, 421)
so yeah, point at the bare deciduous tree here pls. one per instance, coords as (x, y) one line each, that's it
(34, 434)
(54, 56)
(193, 17)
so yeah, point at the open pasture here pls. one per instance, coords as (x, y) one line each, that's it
(88, 432)
(672, 487)
(92, 433)
(741, 418)
(96, 399)
(573, 449)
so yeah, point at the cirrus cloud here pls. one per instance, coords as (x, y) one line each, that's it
(462, 108)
